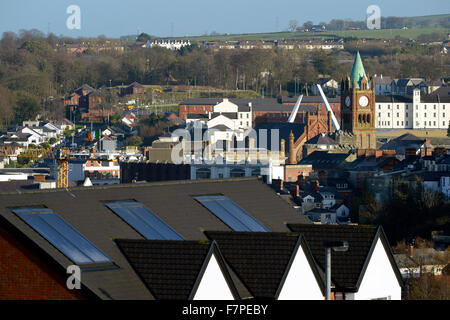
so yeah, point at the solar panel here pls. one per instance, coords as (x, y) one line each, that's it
(62, 235)
(230, 213)
(143, 220)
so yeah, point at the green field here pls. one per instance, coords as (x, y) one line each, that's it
(367, 34)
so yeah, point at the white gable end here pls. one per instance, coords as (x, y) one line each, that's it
(226, 106)
(221, 120)
(300, 283)
(213, 285)
(379, 280)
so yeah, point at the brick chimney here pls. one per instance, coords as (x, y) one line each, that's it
(292, 155)
(295, 190)
(301, 181)
(314, 185)
(411, 251)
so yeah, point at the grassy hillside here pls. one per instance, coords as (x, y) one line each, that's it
(368, 34)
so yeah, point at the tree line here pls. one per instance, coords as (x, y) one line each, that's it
(35, 73)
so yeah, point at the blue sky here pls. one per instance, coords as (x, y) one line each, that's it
(115, 18)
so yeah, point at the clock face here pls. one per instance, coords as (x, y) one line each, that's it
(363, 101)
(347, 101)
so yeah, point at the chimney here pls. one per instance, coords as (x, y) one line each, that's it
(295, 190)
(292, 155)
(411, 251)
(301, 181)
(314, 185)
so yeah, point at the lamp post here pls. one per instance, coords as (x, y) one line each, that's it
(338, 246)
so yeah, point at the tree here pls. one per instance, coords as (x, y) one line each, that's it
(143, 37)
(308, 25)
(27, 107)
(134, 141)
(293, 24)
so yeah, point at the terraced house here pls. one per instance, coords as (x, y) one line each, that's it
(227, 239)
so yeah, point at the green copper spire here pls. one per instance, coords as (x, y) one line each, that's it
(357, 71)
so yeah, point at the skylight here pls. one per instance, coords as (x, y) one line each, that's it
(230, 213)
(143, 220)
(62, 235)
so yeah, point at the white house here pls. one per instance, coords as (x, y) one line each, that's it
(294, 274)
(377, 276)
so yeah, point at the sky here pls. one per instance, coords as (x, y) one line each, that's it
(115, 18)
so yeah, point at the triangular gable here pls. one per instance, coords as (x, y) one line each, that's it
(381, 236)
(302, 279)
(214, 281)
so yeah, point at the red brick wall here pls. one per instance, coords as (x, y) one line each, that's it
(26, 276)
(191, 109)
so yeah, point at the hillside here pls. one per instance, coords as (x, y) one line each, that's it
(367, 34)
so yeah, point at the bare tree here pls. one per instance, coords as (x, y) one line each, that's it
(293, 24)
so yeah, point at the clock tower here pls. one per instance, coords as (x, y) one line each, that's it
(358, 106)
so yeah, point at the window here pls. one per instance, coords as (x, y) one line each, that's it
(407, 107)
(406, 122)
(62, 235)
(230, 213)
(407, 114)
(398, 114)
(434, 115)
(425, 107)
(389, 114)
(379, 114)
(143, 220)
(425, 115)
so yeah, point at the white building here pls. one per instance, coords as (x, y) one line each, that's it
(416, 112)
(171, 45)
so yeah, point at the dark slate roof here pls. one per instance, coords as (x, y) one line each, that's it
(324, 159)
(229, 115)
(442, 92)
(404, 141)
(83, 208)
(311, 99)
(169, 269)
(321, 139)
(260, 259)
(347, 267)
(393, 98)
(382, 80)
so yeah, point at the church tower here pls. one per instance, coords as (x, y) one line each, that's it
(358, 106)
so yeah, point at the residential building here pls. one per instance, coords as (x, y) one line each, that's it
(374, 276)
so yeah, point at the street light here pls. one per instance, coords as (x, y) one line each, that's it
(337, 246)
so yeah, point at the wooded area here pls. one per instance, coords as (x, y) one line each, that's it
(35, 72)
